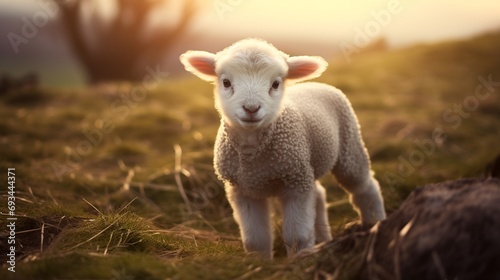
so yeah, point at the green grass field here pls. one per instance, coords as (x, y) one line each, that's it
(117, 183)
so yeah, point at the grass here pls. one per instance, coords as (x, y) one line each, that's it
(112, 187)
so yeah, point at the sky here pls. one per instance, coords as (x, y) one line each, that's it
(333, 20)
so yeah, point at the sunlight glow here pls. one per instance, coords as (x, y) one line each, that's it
(334, 20)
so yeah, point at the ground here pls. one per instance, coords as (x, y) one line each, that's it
(116, 181)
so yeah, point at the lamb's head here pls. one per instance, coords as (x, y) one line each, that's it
(250, 78)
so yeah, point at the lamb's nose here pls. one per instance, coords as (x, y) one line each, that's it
(251, 109)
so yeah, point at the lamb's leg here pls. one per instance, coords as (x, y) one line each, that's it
(322, 226)
(368, 200)
(365, 196)
(253, 218)
(353, 170)
(299, 213)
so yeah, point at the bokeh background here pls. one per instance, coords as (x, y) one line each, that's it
(112, 140)
(316, 27)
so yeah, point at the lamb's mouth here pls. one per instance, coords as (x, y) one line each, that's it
(250, 120)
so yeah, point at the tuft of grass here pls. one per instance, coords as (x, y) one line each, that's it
(106, 234)
(77, 265)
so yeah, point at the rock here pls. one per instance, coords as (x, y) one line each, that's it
(449, 230)
(493, 168)
(9, 83)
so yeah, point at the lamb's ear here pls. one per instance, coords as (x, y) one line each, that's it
(301, 68)
(200, 63)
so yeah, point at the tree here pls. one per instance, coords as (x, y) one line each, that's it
(120, 45)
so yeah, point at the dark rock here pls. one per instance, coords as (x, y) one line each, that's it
(9, 83)
(449, 230)
(493, 168)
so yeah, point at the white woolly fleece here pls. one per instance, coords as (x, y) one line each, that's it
(315, 129)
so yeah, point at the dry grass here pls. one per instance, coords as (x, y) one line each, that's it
(141, 200)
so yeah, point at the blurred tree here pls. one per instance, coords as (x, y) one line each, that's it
(121, 45)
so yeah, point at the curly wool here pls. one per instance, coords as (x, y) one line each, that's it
(315, 132)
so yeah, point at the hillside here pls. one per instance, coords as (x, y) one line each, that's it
(101, 172)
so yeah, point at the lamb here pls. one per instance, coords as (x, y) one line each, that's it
(277, 137)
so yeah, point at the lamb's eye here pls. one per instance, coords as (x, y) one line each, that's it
(226, 83)
(276, 84)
